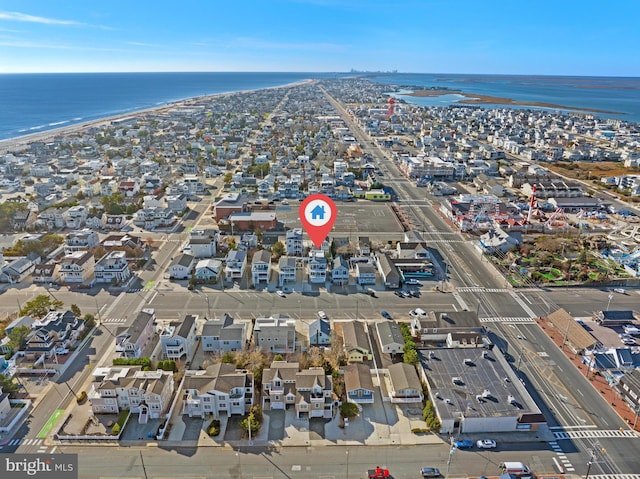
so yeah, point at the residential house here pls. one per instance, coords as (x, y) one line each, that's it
(16, 270)
(235, 264)
(260, 266)
(405, 384)
(358, 384)
(203, 243)
(112, 268)
(80, 240)
(340, 271)
(154, 217)
(365, 274)
(208, 270)
(317, 267)
(275, 334)
(178, 338)
(45, 273)
(293, 242)
(177, 203)
(145, 393)
(356, 342)
(364, 246)
(223, 335)
(390, 337)
(58, 329)
(77, 268)
(286, 270)
(75, 217)
(310, 391)
(628, 387)
(219, 389)
(113, 222)
(23, 220)
(136, 340)
(320, 333)
(181, 267)
(388, 271)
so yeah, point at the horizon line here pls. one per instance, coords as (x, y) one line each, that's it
(354, 73)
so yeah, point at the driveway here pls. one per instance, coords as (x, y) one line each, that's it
(276, 424)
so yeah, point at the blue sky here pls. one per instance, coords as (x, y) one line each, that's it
(563, 37)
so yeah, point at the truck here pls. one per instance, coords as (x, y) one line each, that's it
(379, 473)
(515, 468)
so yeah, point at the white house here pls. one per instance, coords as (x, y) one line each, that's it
(209, 270)
(235, 264)
(340, 271)
(286, 270)
(223, 335)
(203, 243)
(317, 267)
(220, 389)
(260, 266)
(181, 267)
(112, 267)
(178, 338)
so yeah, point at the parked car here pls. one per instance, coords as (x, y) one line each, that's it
(619, 290)
(384, 314)
(486, 443)
(281, 293)
(62, 351)
(463, 444)
(398, 294)
(405, 294)
(628, 341)
(414, 282)
(323, 315)
(430, 472)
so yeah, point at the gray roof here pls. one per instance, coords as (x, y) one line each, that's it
(389, 332)
(184, 260)
(263, 256)
(486, 374)
(186, 325)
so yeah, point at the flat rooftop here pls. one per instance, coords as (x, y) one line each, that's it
(492, 374)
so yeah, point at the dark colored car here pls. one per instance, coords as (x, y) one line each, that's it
(430, 472)
(464, 444)
(384, 314)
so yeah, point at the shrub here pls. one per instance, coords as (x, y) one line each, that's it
(349, 409)
(115, 430)
(214, 428)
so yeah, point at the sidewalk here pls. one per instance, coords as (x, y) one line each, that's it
(597, 381)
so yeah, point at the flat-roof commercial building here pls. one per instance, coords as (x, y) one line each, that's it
(475, 391)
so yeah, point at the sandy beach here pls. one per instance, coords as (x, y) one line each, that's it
(475, 99)
(20, 142)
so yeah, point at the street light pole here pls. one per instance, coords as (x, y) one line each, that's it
(609, 302)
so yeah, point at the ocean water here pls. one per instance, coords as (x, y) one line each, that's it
(31, 103)
(615, 94)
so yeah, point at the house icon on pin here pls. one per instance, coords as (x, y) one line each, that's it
(317, 213)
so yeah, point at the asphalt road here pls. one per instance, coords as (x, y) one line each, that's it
(286, 463)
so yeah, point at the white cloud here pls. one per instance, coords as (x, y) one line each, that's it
(24, 17)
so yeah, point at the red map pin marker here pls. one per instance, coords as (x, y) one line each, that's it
(318, 214)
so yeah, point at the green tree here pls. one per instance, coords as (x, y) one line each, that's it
(9, 385)
(277, 249)
(349, 409)
(228, 358)
(75, 309)
(411, 357)
(39, 306)
(227, 178)
(18, 337)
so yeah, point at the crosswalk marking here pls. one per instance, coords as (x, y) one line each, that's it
(500, 319)
(114, 320)
(22, 441)
(614, 476)
(592, 434)
(481, 289)
(566, 463)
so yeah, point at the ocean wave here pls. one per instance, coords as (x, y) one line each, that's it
(56, 123)
(39, 127)
(77, 118)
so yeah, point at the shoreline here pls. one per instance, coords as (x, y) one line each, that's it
(475, 99)
(9, 144)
